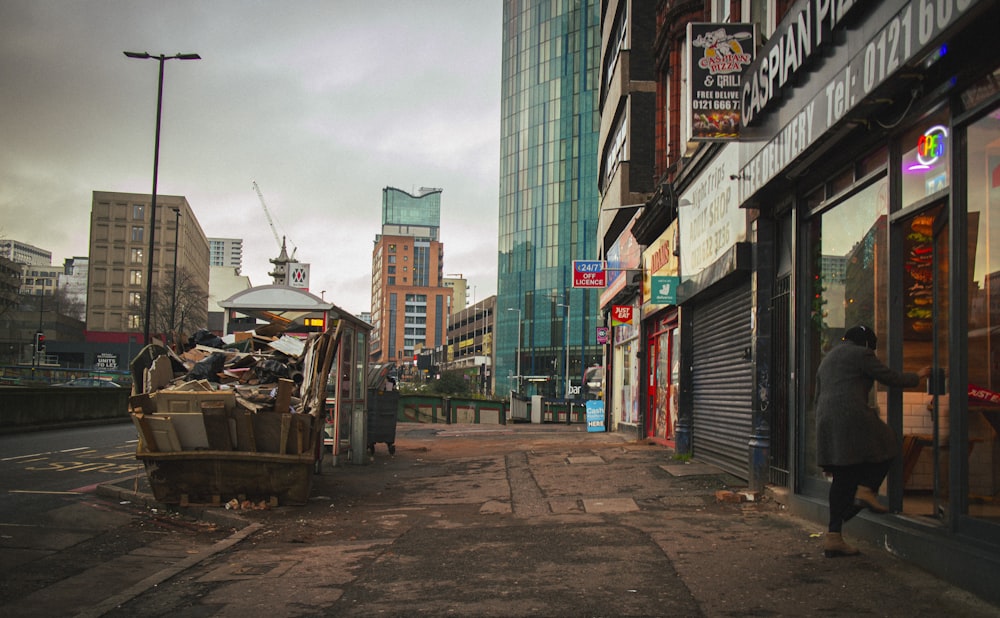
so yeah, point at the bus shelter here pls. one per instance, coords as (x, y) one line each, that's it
(296, 312)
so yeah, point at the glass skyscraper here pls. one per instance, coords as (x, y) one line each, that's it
(548, 193)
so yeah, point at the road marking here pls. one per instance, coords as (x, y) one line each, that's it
(69, 450)
(45, 493)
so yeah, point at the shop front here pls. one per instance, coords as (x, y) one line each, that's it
(880, 171)
(716, 301)
(621, 305)
(660, 281)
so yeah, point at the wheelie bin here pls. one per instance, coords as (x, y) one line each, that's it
(383, 407)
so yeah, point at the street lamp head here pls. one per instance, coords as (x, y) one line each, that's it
(148, 56)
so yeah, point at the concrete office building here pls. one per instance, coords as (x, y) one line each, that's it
(226, 252)
(119, 244)
(23, 253)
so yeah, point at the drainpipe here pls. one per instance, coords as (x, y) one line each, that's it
(762, 291)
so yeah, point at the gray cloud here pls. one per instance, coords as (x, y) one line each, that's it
(322, 102)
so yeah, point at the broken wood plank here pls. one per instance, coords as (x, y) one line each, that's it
(245, 438)
(286, 423)
(284, 398)
(147, 441)
(217, 425)
(164, 434)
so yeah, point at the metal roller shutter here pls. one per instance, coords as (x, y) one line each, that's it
(722, 381)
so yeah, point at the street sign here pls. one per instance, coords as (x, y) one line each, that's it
(621, 314)
(589, 274)
(663, 289)
(602, 335)
(595, 416)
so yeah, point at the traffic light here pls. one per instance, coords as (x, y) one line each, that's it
(39, 341)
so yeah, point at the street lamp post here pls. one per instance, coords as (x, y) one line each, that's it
(156, 164)
(173, 296)
(567, 346)
(35, 352)
(518, 346)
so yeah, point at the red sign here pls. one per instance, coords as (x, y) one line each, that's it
(589, 274)
(621, 314)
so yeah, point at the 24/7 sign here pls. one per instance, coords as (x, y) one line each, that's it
(589, 274)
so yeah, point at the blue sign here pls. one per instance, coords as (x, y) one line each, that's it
(663, 289)
(595, 416)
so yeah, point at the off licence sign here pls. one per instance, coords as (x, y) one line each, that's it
(589, 274)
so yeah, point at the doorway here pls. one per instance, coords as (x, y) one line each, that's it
(926, 426)
(662, 374)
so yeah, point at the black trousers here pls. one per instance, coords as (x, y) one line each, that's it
(846, 480)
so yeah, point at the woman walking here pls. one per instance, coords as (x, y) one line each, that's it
(853, 444)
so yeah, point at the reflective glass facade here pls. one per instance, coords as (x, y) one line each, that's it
(400, 208)
(548, 191)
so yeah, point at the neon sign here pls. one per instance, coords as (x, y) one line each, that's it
(930, 147)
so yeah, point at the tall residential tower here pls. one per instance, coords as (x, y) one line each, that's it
(410, 304)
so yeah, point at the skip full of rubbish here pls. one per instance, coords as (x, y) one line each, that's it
(244, 419)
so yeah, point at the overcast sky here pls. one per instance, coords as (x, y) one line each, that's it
(321, 102)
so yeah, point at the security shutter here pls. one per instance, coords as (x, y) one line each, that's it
(722, 380)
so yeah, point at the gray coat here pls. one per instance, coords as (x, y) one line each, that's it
(848, 429)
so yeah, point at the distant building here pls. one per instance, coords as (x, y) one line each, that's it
(224, 282)
(470, 342)
(116, 286)
(23, 253)
(39, 279)
(226, 252)
(409, 300)
(73, 284)
(459, 293)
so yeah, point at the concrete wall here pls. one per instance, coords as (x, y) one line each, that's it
(25, 408)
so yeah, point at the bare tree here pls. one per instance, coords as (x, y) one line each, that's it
(186, 304)
(10, 285)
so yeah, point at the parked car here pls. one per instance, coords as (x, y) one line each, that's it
(593, 383)
(89, 383)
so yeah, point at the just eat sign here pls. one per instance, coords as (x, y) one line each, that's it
(589, 274)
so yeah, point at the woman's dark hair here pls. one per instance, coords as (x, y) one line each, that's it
(862, 335)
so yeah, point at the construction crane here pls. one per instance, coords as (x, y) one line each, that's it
(267, 213)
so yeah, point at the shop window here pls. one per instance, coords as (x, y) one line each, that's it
(983, 346)
(847, 273)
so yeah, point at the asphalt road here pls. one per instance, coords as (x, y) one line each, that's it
(63, 547)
